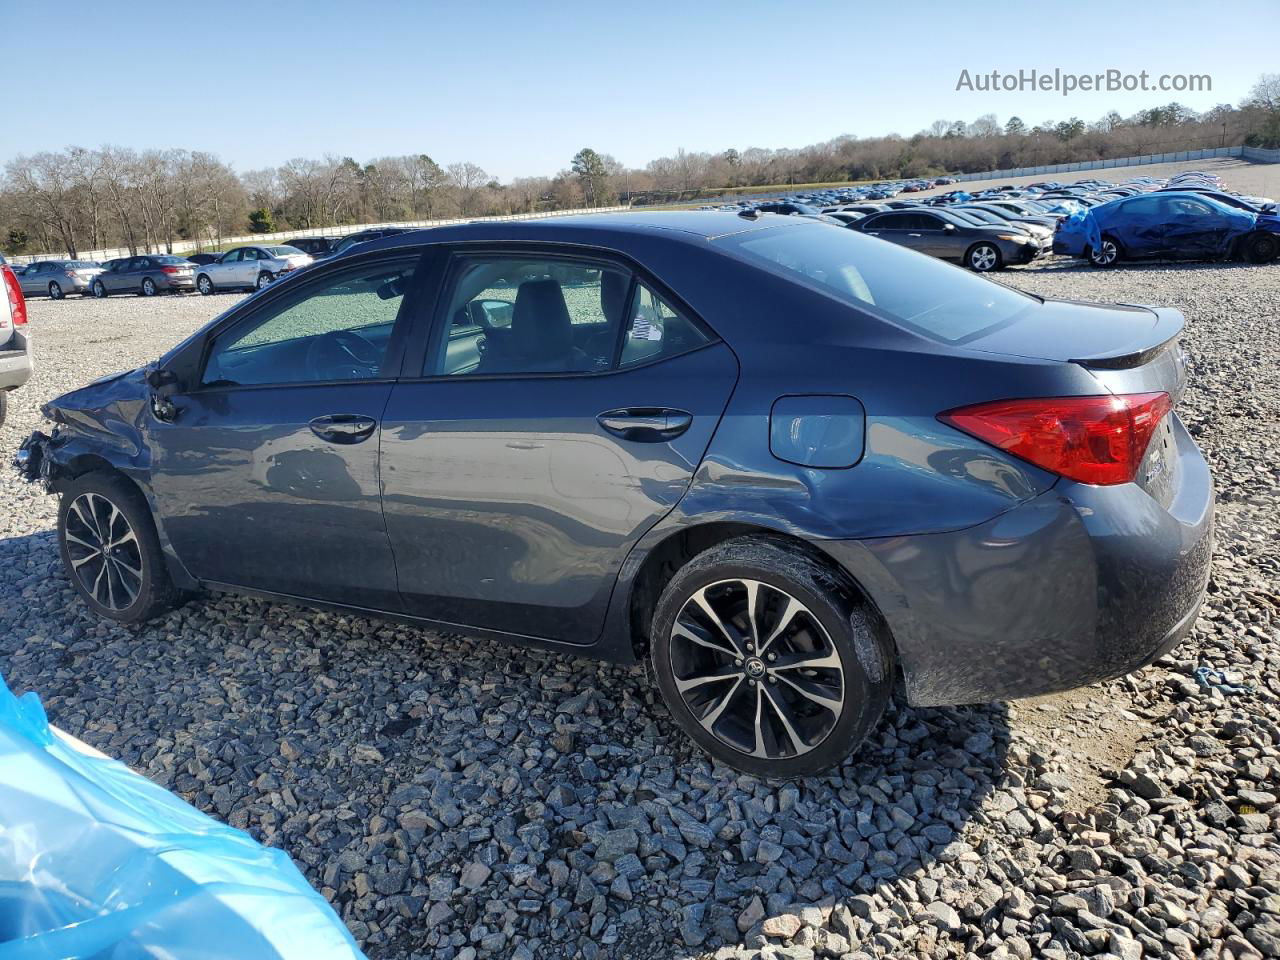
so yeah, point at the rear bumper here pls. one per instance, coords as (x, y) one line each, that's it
(1078, 585)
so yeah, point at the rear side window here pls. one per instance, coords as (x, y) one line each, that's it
(933, 298)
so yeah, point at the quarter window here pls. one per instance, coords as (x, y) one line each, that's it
(655, 329)
(337, 328)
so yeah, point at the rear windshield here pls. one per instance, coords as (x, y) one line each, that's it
(170, 259)
(79, 264)
(920, 293)
(282, 251)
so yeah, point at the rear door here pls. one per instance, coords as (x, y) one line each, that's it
(1140, 226)
(515, 485)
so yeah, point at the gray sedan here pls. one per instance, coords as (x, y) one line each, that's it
(57, 278)
(250, 268)
(980, 247)
(147, 276)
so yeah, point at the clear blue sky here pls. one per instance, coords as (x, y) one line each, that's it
(519, 87)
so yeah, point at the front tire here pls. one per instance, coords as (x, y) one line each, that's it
(1261, 248)
(149, 287)
(110, 550)
(55, 291)
(99, 290)
(767, 660)
(204, 284)
(983, 258)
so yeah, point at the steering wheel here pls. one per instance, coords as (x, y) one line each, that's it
(342, 355)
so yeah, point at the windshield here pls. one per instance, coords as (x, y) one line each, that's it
(925, 295)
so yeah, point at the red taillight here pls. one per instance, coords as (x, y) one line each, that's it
(17, 303)
(1098, 440)
(168, 269)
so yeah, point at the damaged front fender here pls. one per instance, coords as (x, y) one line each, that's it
(101, 423)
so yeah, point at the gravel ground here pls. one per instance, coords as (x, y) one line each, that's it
(454, 800)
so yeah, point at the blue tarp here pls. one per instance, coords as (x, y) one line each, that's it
(99, 862)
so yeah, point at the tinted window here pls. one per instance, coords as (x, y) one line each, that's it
(169, 259)
(232, 257)
(890, 221)
(531, 316)
(1186, 207)
(1143, 207)
(922, 294)
(656, 330)
(336, 328)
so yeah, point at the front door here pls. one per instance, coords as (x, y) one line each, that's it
(268, 475)
(514, 485)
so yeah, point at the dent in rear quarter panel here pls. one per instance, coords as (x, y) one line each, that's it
(1002, 609)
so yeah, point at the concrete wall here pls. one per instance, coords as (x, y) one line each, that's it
(1248, 153)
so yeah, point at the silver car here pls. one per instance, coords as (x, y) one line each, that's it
(249, 268)
(57, 278)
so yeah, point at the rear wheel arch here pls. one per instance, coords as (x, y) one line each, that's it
(665, 559)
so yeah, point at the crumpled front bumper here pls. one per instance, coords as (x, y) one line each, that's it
(31, 460)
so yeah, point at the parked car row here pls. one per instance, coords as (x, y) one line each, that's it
(1189, 216)
(249, 267)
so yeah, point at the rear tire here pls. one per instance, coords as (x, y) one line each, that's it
(149, 288)
(55, 291)
(110, 550)
(1106, 255)
(264, 280)
(99, 291)
(736, 684)
(1261, 248)
(204, 284)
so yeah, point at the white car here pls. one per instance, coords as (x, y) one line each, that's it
(15, 339)
(249, 268)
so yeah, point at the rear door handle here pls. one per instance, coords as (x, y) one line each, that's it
(646, 424)
(343, 427)
(913, 234)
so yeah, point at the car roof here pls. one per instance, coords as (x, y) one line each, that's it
(614, 230)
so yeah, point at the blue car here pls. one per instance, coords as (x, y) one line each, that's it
(1169, 226)
(784, 463)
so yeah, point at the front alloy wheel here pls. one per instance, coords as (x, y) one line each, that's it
(55, 291)
(204, 285)
(767, 659)
(148, 287)
(984, 257)
(110, 550)
(105, 556)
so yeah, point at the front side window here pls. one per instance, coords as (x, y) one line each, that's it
(336, 328)
(529, 315)
(232, 257)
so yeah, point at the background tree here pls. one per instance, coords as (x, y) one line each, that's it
(588, 167)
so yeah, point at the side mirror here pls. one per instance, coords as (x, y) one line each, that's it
(158, 378)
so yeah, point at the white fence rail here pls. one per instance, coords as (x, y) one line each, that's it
(191, 246)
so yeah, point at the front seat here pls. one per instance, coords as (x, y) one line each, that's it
(541, 334)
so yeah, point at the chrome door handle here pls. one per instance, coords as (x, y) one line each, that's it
(343, 427)
(646, 424)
